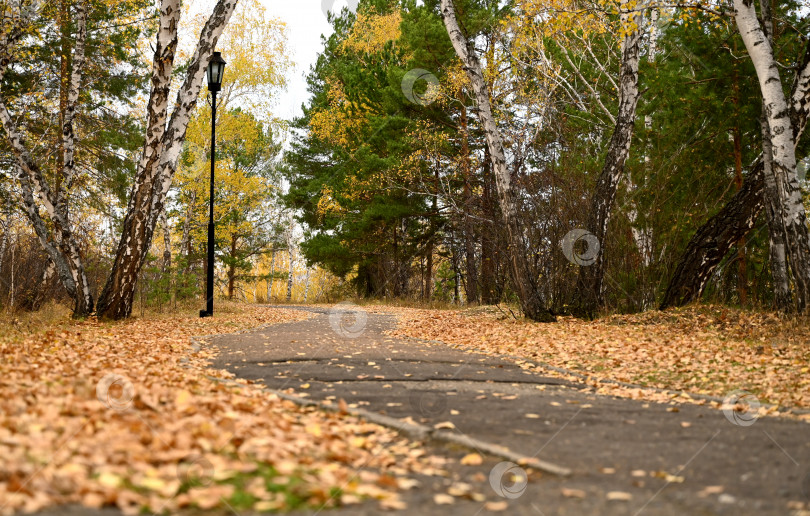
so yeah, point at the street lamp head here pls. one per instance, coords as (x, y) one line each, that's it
(216, 69)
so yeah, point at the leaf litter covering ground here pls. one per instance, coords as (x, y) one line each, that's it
(708, 349)
(119, 414)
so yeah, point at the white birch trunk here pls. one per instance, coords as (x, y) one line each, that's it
(643, 236)
(290, 276)
(161, 151)
(54, 230)
(13, 247)
(272, 273)
(4, 224)
(589, 291)
(782, 141)
(783, 300)
(712, 242)
(800, 97)
(167, 243)
(524, 282)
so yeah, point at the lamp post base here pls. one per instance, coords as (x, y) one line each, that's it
(205, 313)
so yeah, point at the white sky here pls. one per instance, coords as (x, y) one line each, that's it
(305, 24)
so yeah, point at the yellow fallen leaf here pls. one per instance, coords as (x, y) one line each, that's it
(710, 490)
(573, 493)
(443, 499)
(496, 506)
(472, 459)
(108, 479)
(182, 398)
(620, 496)
(393, 503)
(152, 483)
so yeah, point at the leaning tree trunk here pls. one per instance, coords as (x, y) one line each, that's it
(714, 239)
(797, 240)
(161, 151)
(737, 218)
(588, 296)
(532, 303)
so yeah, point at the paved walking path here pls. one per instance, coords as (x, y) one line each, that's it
(627, 457)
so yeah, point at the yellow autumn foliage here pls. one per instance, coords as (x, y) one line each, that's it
(371, 31)
(327, 203)
(341, 120)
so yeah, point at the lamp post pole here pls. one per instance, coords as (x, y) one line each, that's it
(216, 67)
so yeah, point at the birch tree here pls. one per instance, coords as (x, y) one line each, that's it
(523, 280)
(589, 290)
(715, 238)
(46, 205)
(5, 226)
(788, 212)
(161, 150)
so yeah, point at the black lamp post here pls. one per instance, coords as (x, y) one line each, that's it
(216, 68)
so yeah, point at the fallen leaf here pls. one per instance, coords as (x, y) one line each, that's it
(472, 459)
(496, 506)
(443, 499)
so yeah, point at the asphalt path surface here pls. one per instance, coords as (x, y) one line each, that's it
(626, 456)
